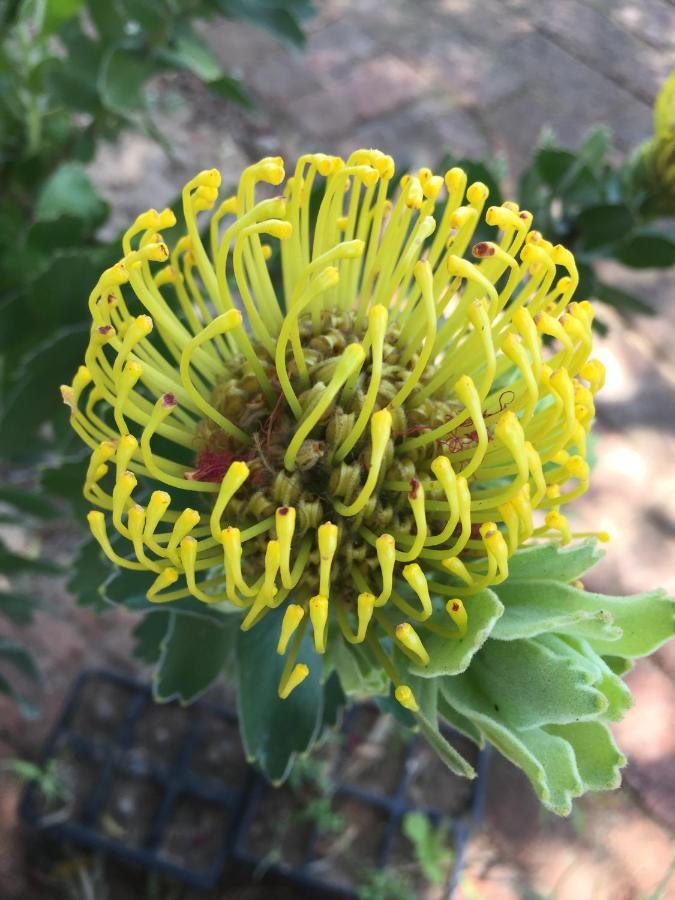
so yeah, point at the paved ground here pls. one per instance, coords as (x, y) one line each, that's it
(477, 78)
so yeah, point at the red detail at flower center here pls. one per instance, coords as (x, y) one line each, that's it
(212, 465)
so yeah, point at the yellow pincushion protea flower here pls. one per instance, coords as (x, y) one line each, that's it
(352, 412)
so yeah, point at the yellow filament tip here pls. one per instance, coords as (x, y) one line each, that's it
(406, 698)
(293, 615)
(318, 614)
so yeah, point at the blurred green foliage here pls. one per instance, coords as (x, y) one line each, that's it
(74, 73)
(19, 508)
(430, 845)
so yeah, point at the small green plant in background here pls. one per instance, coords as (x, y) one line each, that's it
(50, 779)
(386, 884)
(430, 846)
(311, 781)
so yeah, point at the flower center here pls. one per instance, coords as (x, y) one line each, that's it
(320, 476)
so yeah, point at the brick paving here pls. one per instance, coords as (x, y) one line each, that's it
(478, 78)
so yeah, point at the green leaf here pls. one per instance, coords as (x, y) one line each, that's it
(109, 20)
(334, 701)
(127, 588)
(604, 224)
(553, 164)
(57, 12)
(595, 145)
(88, 572)
(19, 657)
(446, 752)
(72, 81)
(359, 675)
(149, 634)
(70, 192)
(273, 730)
(540, 607)
(122, 79)
(154, 17)
(232, 89)
(647, 621)
(617, 694)
(646, 250)
(22, 769)
(459, 722)
(551, 561)
(58, 295)
(27, 709)
(449, 657)
(618, 665)
(547, 760)
(13, 563)
(29, 502)
(193, 654)
(189, 52)
(587, 280)
(598, 758)
(46, 238)
(16, 607)
(65, 479)
(622, 300)
(34, 397)
(640, 623)
(530, 685)
(282, 19)
(429, 843)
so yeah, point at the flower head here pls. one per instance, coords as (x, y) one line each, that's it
(337, 402)
(653, 162)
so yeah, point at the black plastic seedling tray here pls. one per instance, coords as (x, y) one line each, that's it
(385, 809)
(149, 792)
(118, 760)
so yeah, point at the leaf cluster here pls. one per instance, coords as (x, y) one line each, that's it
(538, 673)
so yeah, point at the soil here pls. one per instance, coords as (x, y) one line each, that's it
(195, 835)
(159, 732)
(375, 752)
(219, 753)
(100, 709)
(433, 786)
(345, 857)
(279, 833)
(130, 808)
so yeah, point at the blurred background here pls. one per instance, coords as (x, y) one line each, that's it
(107, 109)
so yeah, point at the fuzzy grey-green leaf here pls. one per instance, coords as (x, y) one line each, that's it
(450, 657)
